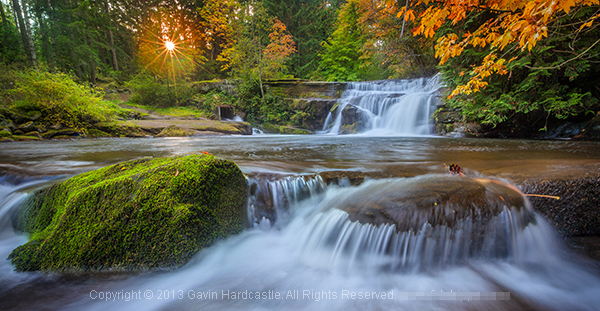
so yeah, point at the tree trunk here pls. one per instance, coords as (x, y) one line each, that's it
(48, 48)
(111, 40)
(17, 28)
(4, 21)
(74, 58)
(32, 50)
(50, 36)
(5, 27)
(91, 61)
(101, 54)
(25, 35)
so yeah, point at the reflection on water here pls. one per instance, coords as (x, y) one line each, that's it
(306, 154)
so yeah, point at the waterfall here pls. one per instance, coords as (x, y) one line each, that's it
(270, 200)
(388, 107)
(333, 239)
(305, 249)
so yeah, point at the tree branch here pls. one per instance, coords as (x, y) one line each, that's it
(563, 63)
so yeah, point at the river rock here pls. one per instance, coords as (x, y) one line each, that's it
(5, 132)
(139, 214)
(27, 127)
(411, 203)
(576, 212)
(63, 132)
(33, 115)
(174, 131)
(40, 128)
(34, 134)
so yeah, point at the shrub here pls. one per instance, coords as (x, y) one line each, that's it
(57, 97)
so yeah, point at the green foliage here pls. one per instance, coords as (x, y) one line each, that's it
(261, 49)
(310, 22)
(140, 214)
(343, 58)
(9, 39)
(56, 96)
(540, 84)
(150, 91)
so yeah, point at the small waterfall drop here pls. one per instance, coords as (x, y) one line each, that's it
(389, 107)
(270, 200)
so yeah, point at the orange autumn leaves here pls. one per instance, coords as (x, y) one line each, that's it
(514, 25)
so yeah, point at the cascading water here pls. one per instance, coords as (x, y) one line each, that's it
(306, 251)
(270, 200)
(390, 107)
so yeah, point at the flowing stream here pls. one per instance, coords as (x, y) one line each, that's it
(389, 107)
(308, 255)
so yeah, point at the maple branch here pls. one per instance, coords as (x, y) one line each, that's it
(495, 10)
(563, 63)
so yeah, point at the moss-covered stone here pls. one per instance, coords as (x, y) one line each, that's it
(122, 129)
(146, 213)
(174, 131)
(94, 133)
(34, 134)
(270, 128)
(5, 133)
(61, 132)
(24, 138)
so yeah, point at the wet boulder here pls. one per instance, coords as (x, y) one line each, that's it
(411, 203)
(139, 214)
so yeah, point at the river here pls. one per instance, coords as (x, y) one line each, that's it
(308, 255)
(284, 261)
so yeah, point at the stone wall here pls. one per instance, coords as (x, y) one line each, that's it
(306, 89)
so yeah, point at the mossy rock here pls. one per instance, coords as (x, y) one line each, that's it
(94, 133)
(24, 138)
(27, 127)
(139, 214)
(293, 130)
(63, 132)
(174, 131)
(270, 128)
(33, 115)
(5, 133)
(6, 139)
(34, 134)
(59, 137)
(122, 129)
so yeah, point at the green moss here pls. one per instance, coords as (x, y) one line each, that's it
(349, 128)
(121, 129)
(61, 132)
(34, 134)
(174, 131)
(94, 133)
(270, 128)
(147, 213)
(5, 139)
(243, 128)
(5, 133)
(24, 138)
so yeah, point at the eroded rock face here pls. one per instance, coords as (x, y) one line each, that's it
(435, 200)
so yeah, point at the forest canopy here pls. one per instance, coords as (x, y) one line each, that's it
(532, 59)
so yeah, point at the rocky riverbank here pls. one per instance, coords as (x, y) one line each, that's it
(140, 124)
